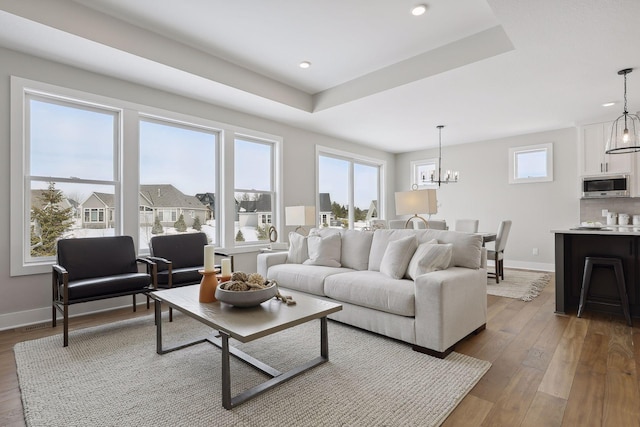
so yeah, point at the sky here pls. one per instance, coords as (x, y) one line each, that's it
(169, 154)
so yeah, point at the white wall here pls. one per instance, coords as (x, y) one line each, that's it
(484, 193)
(27, 299)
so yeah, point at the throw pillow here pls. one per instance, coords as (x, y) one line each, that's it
(397, 256)
(298, 251)
(324, 250)
(429, 257)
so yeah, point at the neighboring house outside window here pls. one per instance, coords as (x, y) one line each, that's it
(353, 187)
(70, 148)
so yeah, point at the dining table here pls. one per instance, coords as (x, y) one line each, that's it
(487, 236)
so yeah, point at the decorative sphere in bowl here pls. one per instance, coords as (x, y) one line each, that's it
(246, 298)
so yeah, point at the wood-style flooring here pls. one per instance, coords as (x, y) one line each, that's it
(547, 369)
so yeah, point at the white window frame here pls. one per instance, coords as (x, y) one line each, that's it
(275, 145)
(547, 148)
(415, 166)
(352, 158)
(127, 217)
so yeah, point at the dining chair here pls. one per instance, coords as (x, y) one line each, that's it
(497, 254)
(467, 225)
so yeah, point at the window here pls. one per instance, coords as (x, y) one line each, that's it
(254, 189)
(532, 163)
(84, 165)
(348, 189)
(72, 170)
(422, 172)
(177, 179)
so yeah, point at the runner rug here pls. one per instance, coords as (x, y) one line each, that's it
(519, 284)
(110, 375)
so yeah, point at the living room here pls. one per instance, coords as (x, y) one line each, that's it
(483, 191)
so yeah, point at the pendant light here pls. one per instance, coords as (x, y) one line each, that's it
(449, 177)
(624, 130)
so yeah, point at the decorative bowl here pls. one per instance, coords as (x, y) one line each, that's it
(246, 298)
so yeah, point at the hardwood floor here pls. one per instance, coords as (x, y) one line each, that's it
(548, 370)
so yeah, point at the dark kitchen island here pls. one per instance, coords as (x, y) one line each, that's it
(571, 248)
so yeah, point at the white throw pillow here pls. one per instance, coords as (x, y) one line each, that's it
(429, 257)
(324, 250)
(397, 256)
(298, 252)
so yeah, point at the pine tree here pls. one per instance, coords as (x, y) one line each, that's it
(157, 227)
(196, 223)
(50, 222)
(262, 233)
(180, 225)
(239, 236)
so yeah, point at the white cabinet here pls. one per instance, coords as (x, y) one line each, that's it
(594, 161)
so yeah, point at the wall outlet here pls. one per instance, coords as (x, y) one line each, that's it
(535, 251)
(605, 212)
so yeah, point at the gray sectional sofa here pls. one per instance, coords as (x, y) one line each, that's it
(424, 287)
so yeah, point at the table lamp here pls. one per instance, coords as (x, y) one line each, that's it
(300, 216)
(414, 202)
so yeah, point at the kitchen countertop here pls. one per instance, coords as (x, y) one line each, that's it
(617, 230)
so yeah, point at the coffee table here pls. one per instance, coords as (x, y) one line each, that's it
(244, 325)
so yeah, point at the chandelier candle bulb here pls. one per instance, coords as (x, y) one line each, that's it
(226, 267)
(209, 258)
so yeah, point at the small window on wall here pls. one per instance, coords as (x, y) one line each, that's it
(531, 163)
(422, 171)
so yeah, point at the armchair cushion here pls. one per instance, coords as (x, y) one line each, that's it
(97, 257)
(185, 250)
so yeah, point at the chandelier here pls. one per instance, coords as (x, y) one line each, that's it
(437, 177)
(625, 129)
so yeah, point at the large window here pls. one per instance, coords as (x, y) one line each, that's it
(348, 190)
(71, 172)
(254, 189)
(178, 170)
(84, 165)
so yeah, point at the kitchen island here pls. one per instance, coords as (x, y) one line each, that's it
(571, 248)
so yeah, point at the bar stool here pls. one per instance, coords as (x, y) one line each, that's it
(616, 264)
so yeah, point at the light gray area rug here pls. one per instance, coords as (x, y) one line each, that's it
(519, 284)
(110, 375)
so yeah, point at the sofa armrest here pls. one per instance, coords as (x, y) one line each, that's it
(450, 304)
(266, 260)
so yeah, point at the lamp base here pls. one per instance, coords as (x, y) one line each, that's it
(410, 220)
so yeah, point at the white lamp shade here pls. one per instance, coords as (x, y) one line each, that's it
(416, 202)
(300, 215)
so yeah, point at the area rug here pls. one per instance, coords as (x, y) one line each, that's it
(519, 284)
(111, 376)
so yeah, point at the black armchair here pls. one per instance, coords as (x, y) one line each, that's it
(97, 268)
(178, 258)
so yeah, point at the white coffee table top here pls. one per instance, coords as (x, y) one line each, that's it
(250, 323)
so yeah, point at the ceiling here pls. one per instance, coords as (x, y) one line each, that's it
(381, 77)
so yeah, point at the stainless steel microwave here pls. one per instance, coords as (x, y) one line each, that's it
(605, 186)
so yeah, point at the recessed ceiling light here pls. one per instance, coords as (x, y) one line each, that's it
(305, 64)
(608, 104)
(419, 10)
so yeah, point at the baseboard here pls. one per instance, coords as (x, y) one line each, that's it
(20, 319)
(525, 265)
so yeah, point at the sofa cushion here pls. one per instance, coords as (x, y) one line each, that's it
(397, 256)
(429, 256)
(304, 278)
(298, 250)
(355, 249)
(372, 289)
(324, 250)
(467, 247)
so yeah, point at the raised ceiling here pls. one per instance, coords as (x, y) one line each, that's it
(379, 76)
